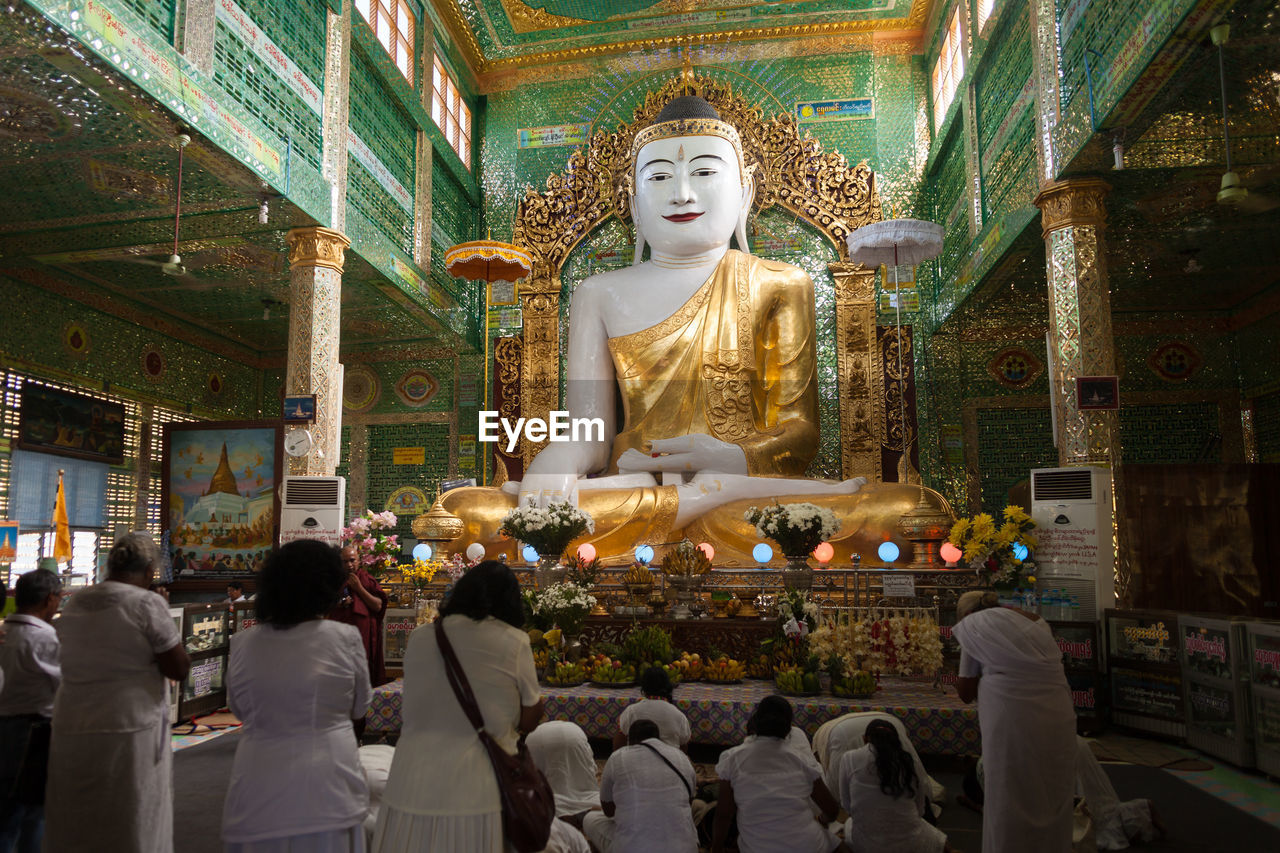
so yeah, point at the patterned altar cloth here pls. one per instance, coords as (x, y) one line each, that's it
(939, 723)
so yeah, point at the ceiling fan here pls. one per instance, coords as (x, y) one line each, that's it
(173, 266)
(1233, 193)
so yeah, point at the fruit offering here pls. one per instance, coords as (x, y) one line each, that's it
(567, 674)
(859, 683)
(724, 669)
(760, 667)
(794, 680)
(690, 666)
(638, 574)
(541, 657)
(686, 559)
(674, 673)
(613, 672)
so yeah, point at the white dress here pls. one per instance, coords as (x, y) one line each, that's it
(772, 788)
(877, 822)
(296, 771)
(563, 754)
(836, 737)
(441, 793)
(110, 762)
(673, 725)
(1028, 730)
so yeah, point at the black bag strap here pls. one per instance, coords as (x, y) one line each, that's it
(674, 769)
(458, 680)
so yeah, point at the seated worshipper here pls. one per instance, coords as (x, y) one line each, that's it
(298, 682)
(885, 797)
(796, 738)
(442, 793)
(1116, 824)
(769, 786)
(836, 737)
(30, 678)
(363, 603)
(657, 705)
(1011, 664)
(644, 798)
(563, 754)
(110, 765)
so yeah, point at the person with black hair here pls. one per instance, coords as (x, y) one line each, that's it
(768, 786)
(298, 682)
(885, 797)
(235, 592)
(110, 765)
(658, 705)
(30, 673)
(645, 795)
(363, 603)
(441, 791)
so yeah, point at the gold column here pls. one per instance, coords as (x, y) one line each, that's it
(540, 367)
(333, 123)
(422, 172)
(860, 376)
(316, 256)
(1073, 219)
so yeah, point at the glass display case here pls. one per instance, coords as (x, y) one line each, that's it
(1078, 642)
(1212, 651)
(1144, 671)
(206, 635)
(1264, 675)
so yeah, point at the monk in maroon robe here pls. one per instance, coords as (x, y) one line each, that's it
(363, 604)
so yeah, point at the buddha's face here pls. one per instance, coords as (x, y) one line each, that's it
(689, 194)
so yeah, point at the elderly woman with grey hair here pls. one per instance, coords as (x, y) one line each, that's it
(110, 763)
(1011, 664)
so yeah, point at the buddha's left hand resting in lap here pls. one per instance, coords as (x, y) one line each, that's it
(713, 353)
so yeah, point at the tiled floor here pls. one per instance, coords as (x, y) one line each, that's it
(1248, 791)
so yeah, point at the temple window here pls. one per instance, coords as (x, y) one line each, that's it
(450, 111)
(948, 71)
(392, 22)
(985, 8)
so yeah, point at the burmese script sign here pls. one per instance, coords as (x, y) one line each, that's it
(1142, 638)
(552, 136)
(1151, 693)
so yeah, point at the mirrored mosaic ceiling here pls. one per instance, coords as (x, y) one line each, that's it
(502, 33)
(87, 208)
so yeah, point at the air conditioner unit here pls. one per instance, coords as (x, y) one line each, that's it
(1073, 513)
(312, 508)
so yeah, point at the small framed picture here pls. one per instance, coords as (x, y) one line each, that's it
(300, 409)
(1098, 393)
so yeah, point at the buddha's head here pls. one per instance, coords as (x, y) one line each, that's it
(692, 190)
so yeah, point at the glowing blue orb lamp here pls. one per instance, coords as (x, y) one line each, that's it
(422, 551)
(530, 554)
(762, 553)
(1020, 551)
(644, 554)
(888, 552)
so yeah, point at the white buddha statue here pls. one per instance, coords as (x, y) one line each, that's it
(713, 352)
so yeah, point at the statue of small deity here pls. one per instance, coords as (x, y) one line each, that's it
(712, 352)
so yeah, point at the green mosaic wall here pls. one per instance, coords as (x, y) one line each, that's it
(159, 15)
(250, 82)
(453, 220)
(115, 352)
(392, 137)
(949, 204)
(1006, 120)
(1170, 433)
(1011, 441)
(1261, 342)
(384, 477)
(390, 372)
(298, 27)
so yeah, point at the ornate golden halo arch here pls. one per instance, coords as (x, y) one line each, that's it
(792, 172)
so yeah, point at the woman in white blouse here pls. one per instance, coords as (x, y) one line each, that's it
(659, 706)
(298, 682)
(441, 793)
(110, 762)
(769, 785)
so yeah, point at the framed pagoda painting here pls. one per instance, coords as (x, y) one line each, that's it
(220, 498)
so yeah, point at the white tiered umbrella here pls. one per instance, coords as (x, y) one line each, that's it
(894, 242)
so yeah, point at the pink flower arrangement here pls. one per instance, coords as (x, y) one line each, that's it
(376, 549)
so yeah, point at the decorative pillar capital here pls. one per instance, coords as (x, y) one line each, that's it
(1074, 201)
(854, 282)
(317, 246)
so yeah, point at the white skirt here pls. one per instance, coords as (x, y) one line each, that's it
(404, 832)
(349, 840)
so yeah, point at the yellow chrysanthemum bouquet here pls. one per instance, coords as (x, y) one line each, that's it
(1002, 553)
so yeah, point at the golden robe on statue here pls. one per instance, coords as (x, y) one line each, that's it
(737, 362)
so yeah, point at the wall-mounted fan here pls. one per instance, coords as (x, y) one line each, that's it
(1233, 193)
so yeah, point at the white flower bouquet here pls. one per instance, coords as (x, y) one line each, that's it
(564, 605)
(549, 530)
(797, 528)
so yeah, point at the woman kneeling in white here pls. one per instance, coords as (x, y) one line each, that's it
(885, 797)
